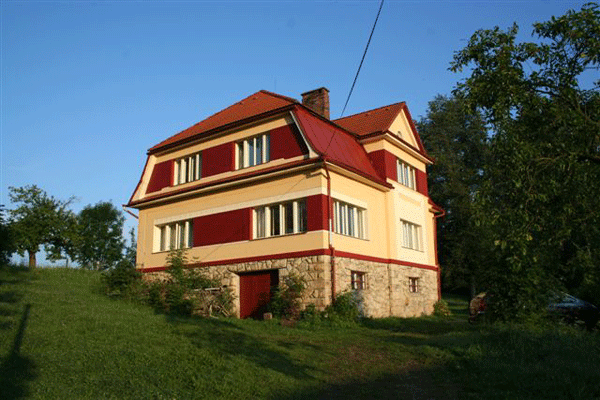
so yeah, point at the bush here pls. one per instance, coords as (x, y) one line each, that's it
(179, 294)
(440, 309)
(287, 300)
(120, 279)
(347, 306)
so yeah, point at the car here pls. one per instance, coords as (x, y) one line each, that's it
(573, 310)
(562, 306)
(477, 307)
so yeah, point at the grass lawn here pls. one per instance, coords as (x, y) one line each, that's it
(61, 338)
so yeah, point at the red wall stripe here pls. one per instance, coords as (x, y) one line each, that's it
(218, 159)
(162, 176)
(307, 253)
(421, 182)
(384, 163)
(316, 210)
(286, 142)
(226, 227)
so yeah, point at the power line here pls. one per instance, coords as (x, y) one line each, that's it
(363, 58)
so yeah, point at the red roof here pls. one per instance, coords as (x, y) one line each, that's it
(379, 120)
(372, 121)
(337, 145)
(254, 105)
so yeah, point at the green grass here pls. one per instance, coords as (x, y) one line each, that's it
(61, 338)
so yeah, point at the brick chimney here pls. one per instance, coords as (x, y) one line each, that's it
(317, 100)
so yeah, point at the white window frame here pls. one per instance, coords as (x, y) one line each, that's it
(358, 280)
(188, 169)
(176, 235)
(413, 284)
(411, 235)
(273, 219)
(349, 219)
(253, 151)
(406, 174)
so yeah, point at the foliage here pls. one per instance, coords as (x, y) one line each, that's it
(131, 250)
(7, 246)
(346, 306)
(540, 189)
(182, 294)
(120, 279)
(38, 220)
(287, 300)
(456, 138)
(441, 309)
(99, 243)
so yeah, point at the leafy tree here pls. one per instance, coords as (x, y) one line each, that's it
(38, 220)
(457, 139)
(6, 240)
(539, 197)
(131, 250)
(100, 241)
(63, 246)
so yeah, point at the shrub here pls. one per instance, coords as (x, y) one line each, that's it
(347, 306)
(179, 294)
(120, 279)
(287, 300)
(440, 309)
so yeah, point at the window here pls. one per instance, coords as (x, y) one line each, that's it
(358, 281)
(413, 285)
(178, 235)
(188, 169)
(406, 174)
(411, 235)
(280, 219)
(348, 219)
(253, 151)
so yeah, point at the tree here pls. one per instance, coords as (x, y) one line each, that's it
(6, 239)
(539, 197)
(457, 139)
(38, 220)
(100, 241)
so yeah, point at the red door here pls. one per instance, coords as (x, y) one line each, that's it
(256, 289)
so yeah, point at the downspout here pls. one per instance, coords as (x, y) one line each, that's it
(330, 223)
(442, 213)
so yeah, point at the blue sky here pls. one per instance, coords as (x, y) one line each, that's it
(88, 86)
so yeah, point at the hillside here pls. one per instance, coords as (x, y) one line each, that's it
(60, 337)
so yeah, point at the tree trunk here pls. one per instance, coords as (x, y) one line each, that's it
(32, 262)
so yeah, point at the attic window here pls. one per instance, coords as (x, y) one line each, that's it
(253, 151)
(188, 169)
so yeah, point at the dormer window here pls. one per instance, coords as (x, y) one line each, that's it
(188, 169)
(406, 175)
(253, 151)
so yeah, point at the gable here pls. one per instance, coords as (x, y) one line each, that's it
(402, 128)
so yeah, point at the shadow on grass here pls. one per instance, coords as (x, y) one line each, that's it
(228, 338)
(424, 325)
(16, 371)
(417, 382)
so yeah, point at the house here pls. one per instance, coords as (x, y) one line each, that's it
(270, 186)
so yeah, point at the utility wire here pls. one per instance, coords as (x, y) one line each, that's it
(363, 58)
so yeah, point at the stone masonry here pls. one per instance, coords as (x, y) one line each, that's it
(387, 285)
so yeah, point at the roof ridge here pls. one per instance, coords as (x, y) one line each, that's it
(278, 95)
(214, 114)
(374, 109)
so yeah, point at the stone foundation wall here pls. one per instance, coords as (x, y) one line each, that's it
(386, 293)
